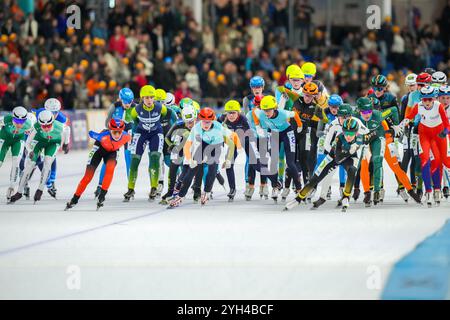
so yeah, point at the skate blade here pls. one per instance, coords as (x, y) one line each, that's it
(344, 209)
(230, 199)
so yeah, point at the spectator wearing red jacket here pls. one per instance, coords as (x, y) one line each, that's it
(118, 42)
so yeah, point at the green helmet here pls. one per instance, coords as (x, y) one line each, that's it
(379, 81)
(350, 126)
(185, 101)
(364, 103)
(344, 110)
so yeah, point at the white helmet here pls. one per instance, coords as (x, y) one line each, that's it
(188, 113)
(411, 79)
(20, 113)
(170, 99)
(45, 118)
(439, 77)
(52, 105)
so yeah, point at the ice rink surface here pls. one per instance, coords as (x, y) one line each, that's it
(239, 250)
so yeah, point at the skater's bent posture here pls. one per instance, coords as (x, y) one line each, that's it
(105, 148)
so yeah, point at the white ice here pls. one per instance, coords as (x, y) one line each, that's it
(239, 250)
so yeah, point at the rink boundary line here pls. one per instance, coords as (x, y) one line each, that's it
(77, 233)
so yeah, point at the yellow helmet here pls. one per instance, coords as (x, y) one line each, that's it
(232, 105)
(196, 105)
(294, 72)
(309, 68)
(160, 95)
(268, 102)
(147, 91)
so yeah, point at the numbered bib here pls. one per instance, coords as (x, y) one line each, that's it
(91, 154)
(308, 140)
(134, 142)
(291, 138)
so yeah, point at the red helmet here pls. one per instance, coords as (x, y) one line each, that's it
(370, 91)
(207, 114)
(116, 125)
(423, 78)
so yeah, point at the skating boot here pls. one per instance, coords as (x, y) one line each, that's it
(165, 197)
(292, 204)
(128, 195)
(341, 192)
(15, 197)
(437, 197)
(205, 197)
(37, 195)
(356, 193)
(376, 197)
(429, 197)
(329, 193)
(52, 190)
(26, 192)
(101, 198)
(311, 195)
(72, 202)
(249, 190)
(275, 193)
(97, 191)
(175, 202)
(420, 193)
(415, 196)
(160, 188)
(152, 194)
(367, 198)
(9, 194)
(284, 194)
(221, 180)
(318, 203)
(345, 204)
(197, 195)
(446, 192)
(264, 191)
(402, 193)
(231, 195)
(382, 193)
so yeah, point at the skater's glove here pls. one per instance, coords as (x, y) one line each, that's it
(354, 147)
(192, 163)
(299, 129)
(443, 133)
(31, 155)
(260, 131)
(65, 148)
(226, 164)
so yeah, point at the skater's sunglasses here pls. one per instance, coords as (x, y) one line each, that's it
(46, 126)
(366, 111)
(378, 88)
(19, 121)
(427, 99)
(309, 76)
(351, 134)
(310, 96)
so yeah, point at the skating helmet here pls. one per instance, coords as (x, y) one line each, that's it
(294, 72)
(170, 99)
(364, 104)
(160, 95)
(232, 105)
(116, 124)
(350, 126)
(126, 95)
(444, 90)
(345, 110)
(429, 70)
(379, 81)
(257, 82)
(423, 78)
(147, 91)
(335, 100)
(45, 118)
(439, 77)
(309, 69)
(188, 113)
(20, 115)
(310, 88)
(428, 92)
(410, 79)
(185, 101)
(207, 114)
(52, 105)
(268, 102)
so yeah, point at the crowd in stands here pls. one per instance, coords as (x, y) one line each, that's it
(163, 45)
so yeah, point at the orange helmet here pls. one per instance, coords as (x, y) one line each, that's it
(311, 88)
(207, 114)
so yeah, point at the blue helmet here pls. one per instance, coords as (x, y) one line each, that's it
(256, 82)
(126, 95)
(335, 100)
(444, 90)
(428, 92)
